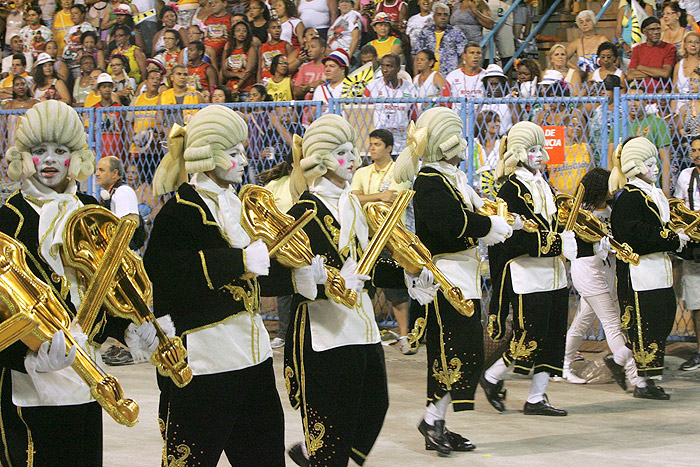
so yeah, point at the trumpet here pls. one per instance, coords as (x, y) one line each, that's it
(590, 229)
(685, 219)
(500, 208)
(36, 313)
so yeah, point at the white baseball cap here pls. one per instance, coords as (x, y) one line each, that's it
(104, 78)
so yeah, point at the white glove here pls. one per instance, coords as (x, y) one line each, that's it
(353, 280)
(602, 248)
(684, 238)
(318, 269)
(304, 281)
(52, 355)
(257, 258)
(500, 230)
(147, 335)
(518, 222)
(420, 286)
(568, 245)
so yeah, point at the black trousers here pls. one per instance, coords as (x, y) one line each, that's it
(49, 436)
(648, 317)
(237, 412)
(539, 331)
(455, 349)
(342, 394)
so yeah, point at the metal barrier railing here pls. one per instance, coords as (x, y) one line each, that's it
(592, 127)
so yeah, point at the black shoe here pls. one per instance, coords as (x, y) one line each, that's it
(297, 455)
(693, 363)
(618, 372)
(543, 408)
(495, 393)
(458, 442)
(119, 357)
(651, 391)
(435, 439)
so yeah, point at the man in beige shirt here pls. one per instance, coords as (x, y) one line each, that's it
(375, 182)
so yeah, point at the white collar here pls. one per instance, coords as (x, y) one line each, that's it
(657, 196)
(542, 196)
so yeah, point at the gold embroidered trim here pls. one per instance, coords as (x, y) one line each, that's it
(315, 441)
(335, 231)
(205, 270)
(2, 423)
(288, 375)
(358, 453)
(30, 441)
(521, 349)
(455, 195)
(184, 452)
(12, 208)
(205, 221)
(250, 298)
(449, 374)
(626, 317)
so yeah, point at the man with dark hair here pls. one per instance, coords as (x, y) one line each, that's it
(652, 61)
(375, 182)
(392, 116)
(18, 68)
(446, 41)
(196, 66)
(16, 47)
(179, 94)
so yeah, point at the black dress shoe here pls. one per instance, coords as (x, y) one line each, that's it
(435, 439)
(543, 408)
(618, 372)
(651, 391)
(458, 442)
(495, 393)
(297, 455)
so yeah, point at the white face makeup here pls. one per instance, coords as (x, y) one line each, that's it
(652, 173)
(534, 158)
(51, 161)
(346, 160)
(233, 174)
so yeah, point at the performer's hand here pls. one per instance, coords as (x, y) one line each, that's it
(52, 355)
(257, 259)
(518, 222)
(499, 232)
(420, 286)
(568, 245)
(353, 280)
(148, 336)
(602, 248)
(684, 238)
(318, 269)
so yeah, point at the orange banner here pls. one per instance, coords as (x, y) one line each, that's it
(554, 143)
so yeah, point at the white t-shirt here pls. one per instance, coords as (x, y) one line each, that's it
(289, 30)
(416, 24)
(464, 85)
(124, 201)
(324, 92)
(314, 13)
(682, 185)
(340, 33)
(143, 6)
(505, 114)
(391, 115)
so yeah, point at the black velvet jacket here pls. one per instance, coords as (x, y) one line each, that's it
(20, 221)
(444, 223)
(196, 274)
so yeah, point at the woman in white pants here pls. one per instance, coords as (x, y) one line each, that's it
(593, 275)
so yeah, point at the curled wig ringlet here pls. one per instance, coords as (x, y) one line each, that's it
(312, 153)
(50, 122)
(437, 135)
(629, 159)
(521, 137)
(201, 146)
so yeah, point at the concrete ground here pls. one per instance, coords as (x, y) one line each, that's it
(605, 426)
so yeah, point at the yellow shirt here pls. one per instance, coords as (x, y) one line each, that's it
(368, 180)
(383, 46)
(61, 25)
(146, 119)
(283, 197)
(281, 91)
(9, 80)
(92, 99)
(438, 40)
(168, 98)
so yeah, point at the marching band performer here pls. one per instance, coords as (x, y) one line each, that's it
(593, 276)
(204, 271)
(48, 415)
(334, 362)
(447, 223)
(639, 217)
(528, 273)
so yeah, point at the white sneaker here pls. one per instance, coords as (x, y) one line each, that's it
(570, 377)
(277, 342)
(405, 347)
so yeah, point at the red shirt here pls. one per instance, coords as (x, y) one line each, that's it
(655, 56)
(267, 53)
(309, 72)
(201, 74)
(216, 34)
(393, 11)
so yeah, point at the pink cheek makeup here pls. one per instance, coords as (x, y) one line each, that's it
(341, 162)
(36, 161)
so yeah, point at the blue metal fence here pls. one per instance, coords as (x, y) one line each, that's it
(594, 126)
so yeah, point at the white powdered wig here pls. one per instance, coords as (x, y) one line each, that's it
(514, 146)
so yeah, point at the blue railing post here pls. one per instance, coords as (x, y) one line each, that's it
(540, 24)
(468, 116)
(624, 127)
(319, 108)
(489, 38)
(603, 9)
(96, 121)
(616, 118)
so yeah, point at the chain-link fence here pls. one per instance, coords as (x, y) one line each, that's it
(581, 132)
